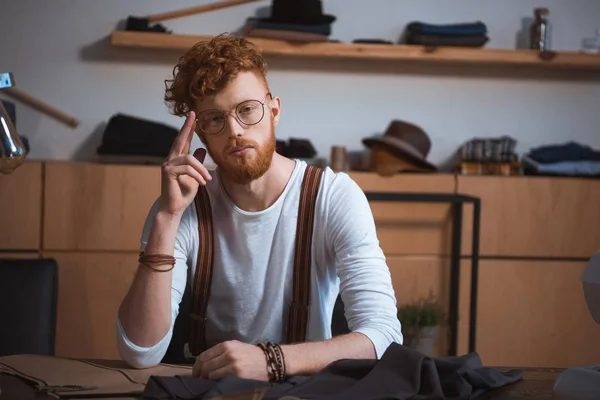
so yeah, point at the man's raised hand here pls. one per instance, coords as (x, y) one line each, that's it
(182, 173)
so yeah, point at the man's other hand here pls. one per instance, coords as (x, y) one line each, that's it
(232, 358)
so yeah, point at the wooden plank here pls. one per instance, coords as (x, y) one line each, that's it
(456, 55)
(20, 255)
(534, 216)
(21, 207)
(410, 228)
(92, 286)
(531, 314)
(96, 206)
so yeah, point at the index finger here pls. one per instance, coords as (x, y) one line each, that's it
(183, 140)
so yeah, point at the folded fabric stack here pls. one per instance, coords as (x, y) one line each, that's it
(569, 159)
(489, 156)
(287, 31)
(500, 149)
(472, 34)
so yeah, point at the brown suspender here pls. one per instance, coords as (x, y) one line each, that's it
(203, 275)
(298, 313)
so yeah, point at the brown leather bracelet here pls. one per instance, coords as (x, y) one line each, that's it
(153, 261)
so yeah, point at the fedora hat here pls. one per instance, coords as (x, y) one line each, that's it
(405, 141)
(300, 12)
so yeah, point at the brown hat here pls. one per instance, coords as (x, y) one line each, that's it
(405, 141)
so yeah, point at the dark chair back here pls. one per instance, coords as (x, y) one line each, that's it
(28, 297)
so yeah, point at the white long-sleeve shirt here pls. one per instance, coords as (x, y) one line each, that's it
(253, 268)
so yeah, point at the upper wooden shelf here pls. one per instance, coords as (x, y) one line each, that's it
(455, 55)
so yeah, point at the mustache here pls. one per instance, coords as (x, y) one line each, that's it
(240, 142)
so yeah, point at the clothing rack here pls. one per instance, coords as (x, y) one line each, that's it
(458, 201)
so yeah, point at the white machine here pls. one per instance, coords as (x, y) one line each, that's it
(583, 383)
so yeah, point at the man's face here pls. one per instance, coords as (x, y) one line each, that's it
(227, 121)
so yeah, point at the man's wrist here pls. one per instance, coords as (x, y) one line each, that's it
(165, 217)
(161, 239)
(295, 360)
(166, 224)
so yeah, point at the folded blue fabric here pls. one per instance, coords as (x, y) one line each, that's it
(459, 29)
(567, 168)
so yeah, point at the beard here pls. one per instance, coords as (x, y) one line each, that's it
(245, 169)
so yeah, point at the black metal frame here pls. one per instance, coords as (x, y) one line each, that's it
(457, 201)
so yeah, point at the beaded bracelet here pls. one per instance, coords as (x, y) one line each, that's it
(271, 367)
(275, 360)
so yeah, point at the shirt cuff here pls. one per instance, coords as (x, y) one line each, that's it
(137, 356)
(381, 341)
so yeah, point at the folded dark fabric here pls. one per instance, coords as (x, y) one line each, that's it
(322, 29)
(500, 149)
(570, 151)
(129, 135)
(459, 29)
(436, 40)
(294, 36)
(401, 373)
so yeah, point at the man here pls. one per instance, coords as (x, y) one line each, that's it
(254, 195)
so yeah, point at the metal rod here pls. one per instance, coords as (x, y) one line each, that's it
(457, 209)
(474, 275)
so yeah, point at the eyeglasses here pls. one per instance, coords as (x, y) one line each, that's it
(248, 113)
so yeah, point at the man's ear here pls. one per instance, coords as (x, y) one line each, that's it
(275, 109)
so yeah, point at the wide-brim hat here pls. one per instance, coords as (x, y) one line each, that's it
(406, 141)
(299, 12)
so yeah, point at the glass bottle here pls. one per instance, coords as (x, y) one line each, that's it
(540, 30)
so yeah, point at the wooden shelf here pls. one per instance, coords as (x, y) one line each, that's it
(575, 61)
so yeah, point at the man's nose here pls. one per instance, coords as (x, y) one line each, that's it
(234, 126)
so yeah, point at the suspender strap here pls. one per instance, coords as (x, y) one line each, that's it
(203, 275)
(298, 313)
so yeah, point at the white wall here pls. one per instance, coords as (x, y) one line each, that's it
(58, 51)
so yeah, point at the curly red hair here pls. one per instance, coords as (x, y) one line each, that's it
(208, 67)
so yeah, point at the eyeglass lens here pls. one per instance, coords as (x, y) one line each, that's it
(249, 112)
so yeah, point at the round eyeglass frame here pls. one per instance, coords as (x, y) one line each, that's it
(235, 115)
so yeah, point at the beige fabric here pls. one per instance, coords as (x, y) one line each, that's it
(109, 376)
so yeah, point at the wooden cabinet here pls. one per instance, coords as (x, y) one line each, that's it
(530, 313)
(97, 207)
(21, 207)
(91, 288)
(410, 228)
(415, 277)
(531, 310)
(534, 216)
